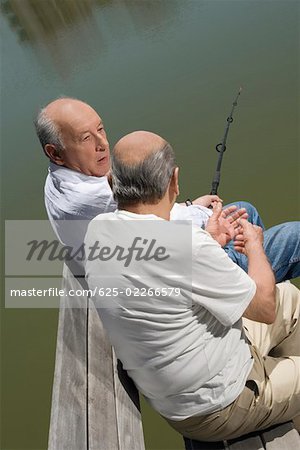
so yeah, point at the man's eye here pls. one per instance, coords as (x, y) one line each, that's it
(86, 138)
(100, 130)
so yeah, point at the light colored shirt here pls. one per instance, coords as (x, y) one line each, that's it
(71, 195)
(187, 355)
(199, 215)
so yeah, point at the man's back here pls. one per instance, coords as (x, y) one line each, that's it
(184, 350)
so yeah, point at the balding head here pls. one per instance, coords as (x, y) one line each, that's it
(135, 147)
(63, 103)
(72, 134)
(67, 112)
(142, 166)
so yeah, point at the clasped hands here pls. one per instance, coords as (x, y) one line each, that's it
(230, 224)
(225, 224)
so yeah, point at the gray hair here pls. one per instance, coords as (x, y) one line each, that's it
(146, 181)
(47, 131)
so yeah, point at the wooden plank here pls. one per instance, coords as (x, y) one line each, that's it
(102, 422)
(68, 412)
(129, 421)
(95, 405)
(282, 437)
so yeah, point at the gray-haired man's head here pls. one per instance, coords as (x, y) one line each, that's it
(72, 135)
(143, 164)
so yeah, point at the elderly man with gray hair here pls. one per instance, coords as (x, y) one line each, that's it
(73, 137)
(223, 358)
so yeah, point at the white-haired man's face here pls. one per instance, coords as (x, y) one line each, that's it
(86, 148)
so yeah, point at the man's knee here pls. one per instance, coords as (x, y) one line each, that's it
(243, 204)
(292, 230)
(248, 206)
(286, 229)
(253, 215)
(251, 210)
(288, 297)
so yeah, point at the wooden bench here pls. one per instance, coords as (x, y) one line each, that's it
(95, 405)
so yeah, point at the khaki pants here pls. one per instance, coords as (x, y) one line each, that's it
(272, 391)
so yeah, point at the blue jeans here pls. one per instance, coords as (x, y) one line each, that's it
(281, 244)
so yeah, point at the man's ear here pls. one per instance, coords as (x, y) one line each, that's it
(173, 186)
(109, 179)
(175, 180)
(54, 154)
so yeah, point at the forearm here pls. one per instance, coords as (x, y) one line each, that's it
(263, 304)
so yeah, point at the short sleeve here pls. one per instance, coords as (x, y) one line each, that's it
(219, 285)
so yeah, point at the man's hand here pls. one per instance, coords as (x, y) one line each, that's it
(224, 225)
(249, 238)
(207, 200)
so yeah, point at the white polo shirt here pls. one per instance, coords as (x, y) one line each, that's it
(187, 357)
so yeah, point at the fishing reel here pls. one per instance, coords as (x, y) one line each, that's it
(219, 147)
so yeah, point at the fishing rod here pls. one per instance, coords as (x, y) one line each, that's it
(222, 147)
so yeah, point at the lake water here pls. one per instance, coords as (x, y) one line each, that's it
(169, 66)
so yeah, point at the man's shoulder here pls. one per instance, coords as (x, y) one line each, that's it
(97, 225)
(105, 216)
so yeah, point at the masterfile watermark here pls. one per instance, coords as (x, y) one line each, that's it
(140, 249)
(114, 259)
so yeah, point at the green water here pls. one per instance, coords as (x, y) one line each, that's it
(173, 67)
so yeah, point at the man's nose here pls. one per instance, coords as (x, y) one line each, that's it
(101, 143)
